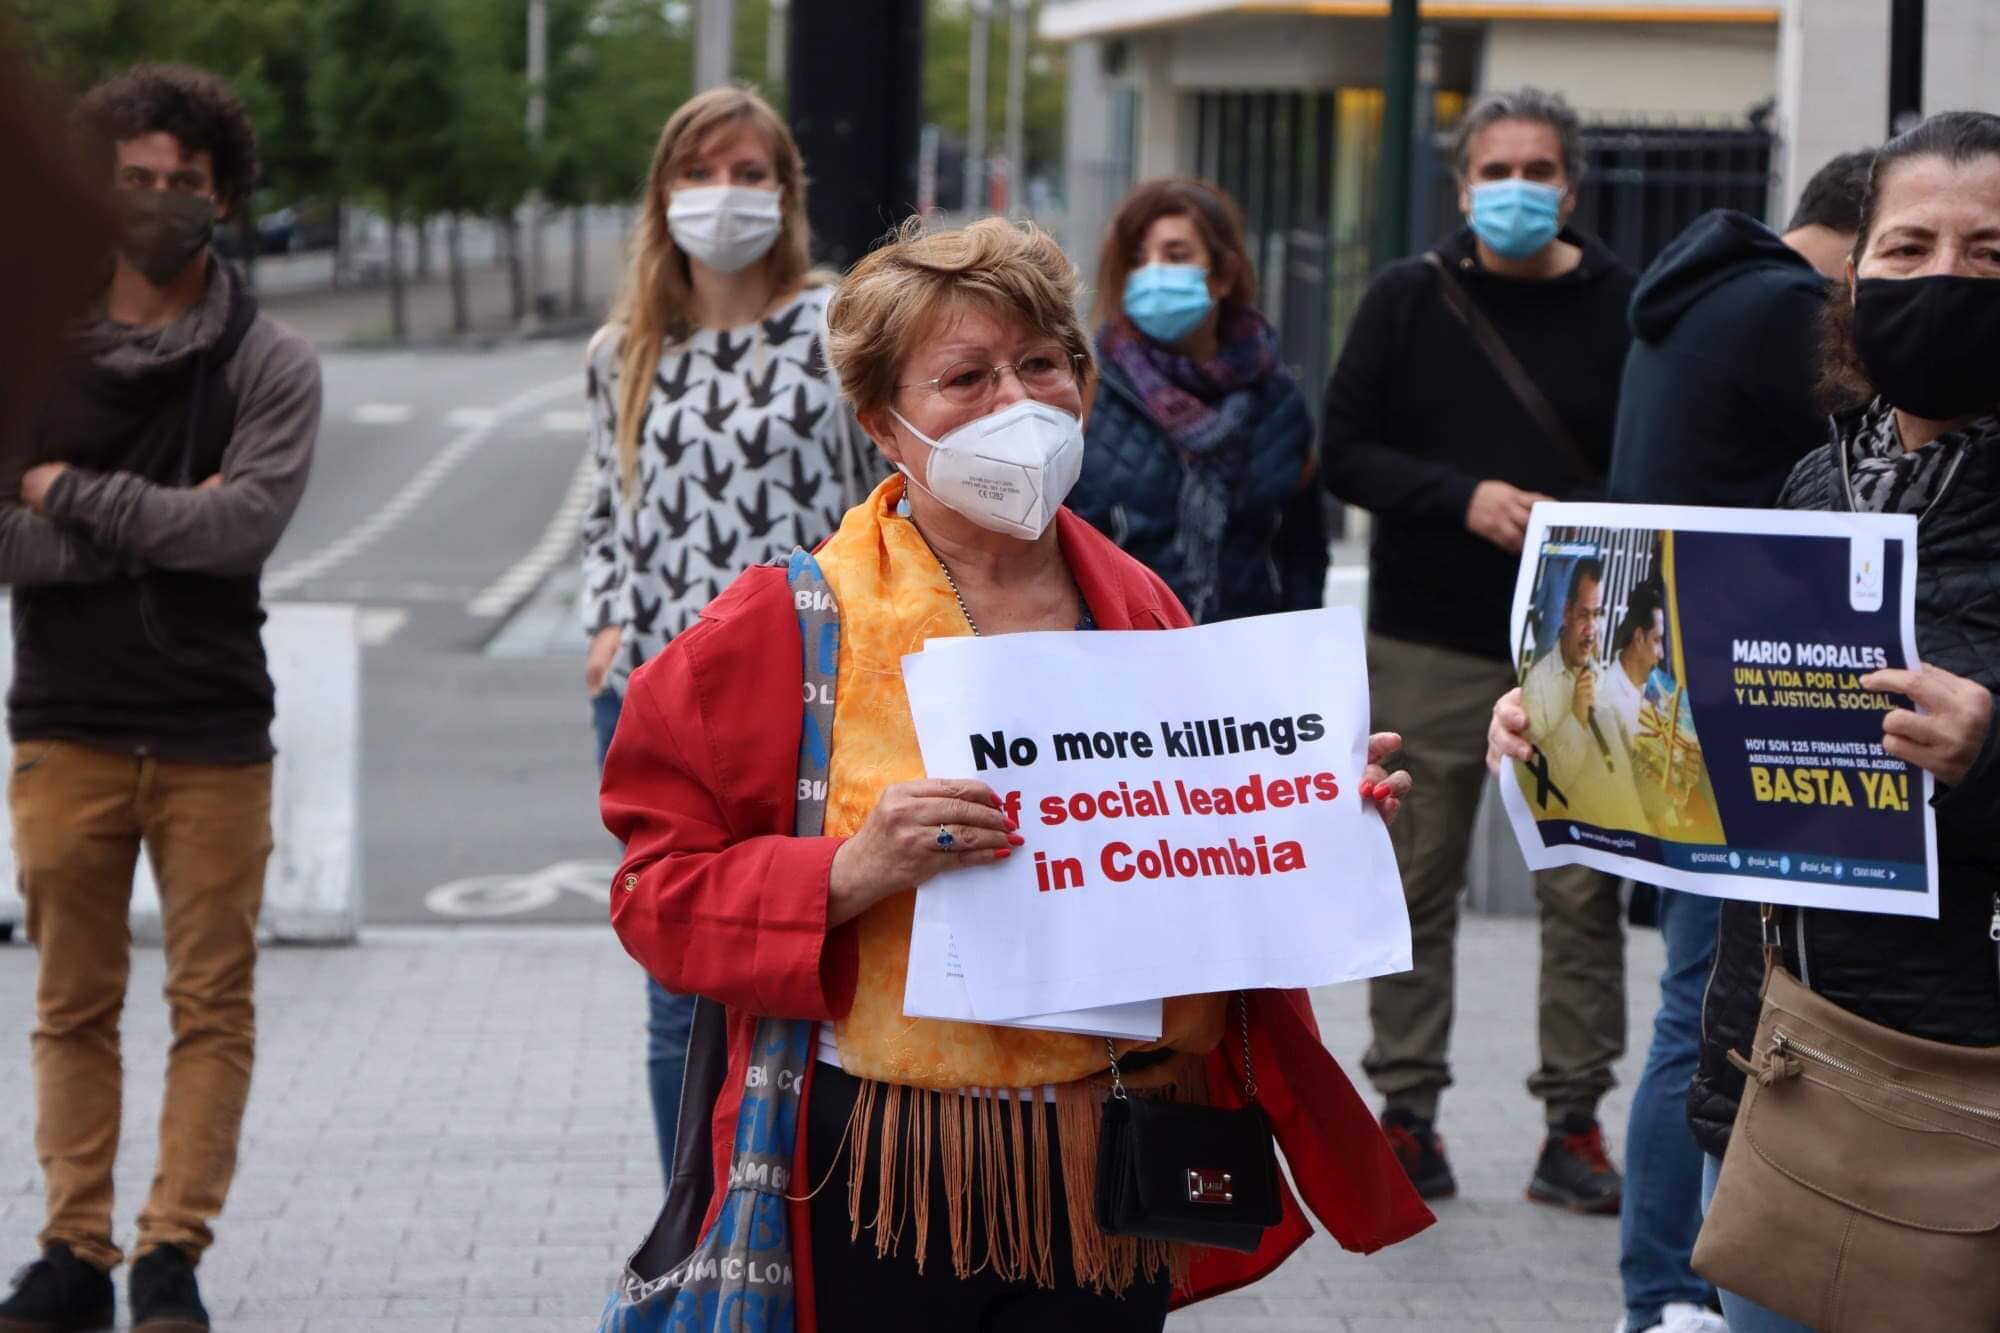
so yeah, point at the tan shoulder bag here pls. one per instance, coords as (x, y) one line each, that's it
(1861, 1189)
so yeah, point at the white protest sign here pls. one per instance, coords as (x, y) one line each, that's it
(936, 988)
(1192, 808)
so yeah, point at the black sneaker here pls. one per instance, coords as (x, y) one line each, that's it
(1420, 1148)
(59, 1293)
(165, 1298)
(1574, 1171)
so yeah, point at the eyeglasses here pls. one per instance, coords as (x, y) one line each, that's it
(970, 383)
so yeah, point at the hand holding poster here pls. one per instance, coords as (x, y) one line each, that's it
(1692, 680)
(1191, 804)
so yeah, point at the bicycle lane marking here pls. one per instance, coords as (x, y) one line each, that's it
(499, 895)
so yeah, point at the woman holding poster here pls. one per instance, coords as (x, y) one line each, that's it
(1201, 458)
(938, 1172)
(1909, 358)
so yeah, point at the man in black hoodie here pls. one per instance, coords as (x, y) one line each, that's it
(1424, 429)
(1716, 407)
(169, 452)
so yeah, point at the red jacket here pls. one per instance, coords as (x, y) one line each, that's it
(717, 897)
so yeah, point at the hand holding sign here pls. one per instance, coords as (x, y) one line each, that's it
(899, 846)
(1946, 737)
(1378, 785)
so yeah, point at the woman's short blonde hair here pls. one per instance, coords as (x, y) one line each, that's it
(891, 302)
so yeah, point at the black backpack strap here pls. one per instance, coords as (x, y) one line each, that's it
(1519, 382)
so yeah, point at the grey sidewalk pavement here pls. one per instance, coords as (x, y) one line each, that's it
(360, 313)
(449, 1131)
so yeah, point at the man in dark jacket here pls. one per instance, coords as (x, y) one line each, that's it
(1424, 430)
(1716, 409)
(169, 455)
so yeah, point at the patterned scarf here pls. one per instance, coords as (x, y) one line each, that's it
(739, 1277)
(1209, 410)
(1889, 479)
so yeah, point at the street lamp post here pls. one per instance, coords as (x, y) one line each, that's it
(1906, 64)
(1017, 94)
(1392, 217)
(975, 115)
(538, 116)
(774, 46)
(714, 31)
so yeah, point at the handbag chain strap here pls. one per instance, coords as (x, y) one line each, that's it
(1249, 1068)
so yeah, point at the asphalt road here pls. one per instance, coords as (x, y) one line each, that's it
(443, 488)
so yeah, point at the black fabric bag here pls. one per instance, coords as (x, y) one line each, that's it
(1175, 1171)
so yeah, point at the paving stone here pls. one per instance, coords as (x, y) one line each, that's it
(449, 1130)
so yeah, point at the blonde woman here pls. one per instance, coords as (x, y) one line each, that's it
(925, 1174)
(718, 434)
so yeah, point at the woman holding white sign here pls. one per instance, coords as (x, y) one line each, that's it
(1871, 1038)
(772, 873)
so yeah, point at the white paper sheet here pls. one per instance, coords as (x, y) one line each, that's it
(936, 989)
(1110, 900)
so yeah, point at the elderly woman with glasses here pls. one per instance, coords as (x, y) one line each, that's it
(940, 1172)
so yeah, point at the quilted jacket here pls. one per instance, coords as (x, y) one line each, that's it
(1274, 551)
(1936, 979)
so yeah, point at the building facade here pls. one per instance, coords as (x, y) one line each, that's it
(1690, 105)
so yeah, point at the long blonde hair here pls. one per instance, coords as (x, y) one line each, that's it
(653, 304)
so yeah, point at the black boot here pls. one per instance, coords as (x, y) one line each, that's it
(1574, 1171)
(165, 1297)
(59, 1293)
(1420, 1149)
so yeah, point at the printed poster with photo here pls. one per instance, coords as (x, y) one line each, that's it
(1692, 679)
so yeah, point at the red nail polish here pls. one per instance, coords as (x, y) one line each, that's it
(1013, 824)
(1003, 853)
(1015, 840)
(1368, 790)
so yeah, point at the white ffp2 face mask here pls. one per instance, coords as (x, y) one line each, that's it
(1008, 471)
(726, 227)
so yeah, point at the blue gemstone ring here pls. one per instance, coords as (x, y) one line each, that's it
(944, 839)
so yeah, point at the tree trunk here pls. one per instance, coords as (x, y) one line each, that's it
(399, 324)
(517, 278)
(578, 271)
(339, 243)
(454, 255)
(423, 226)
(246, 243)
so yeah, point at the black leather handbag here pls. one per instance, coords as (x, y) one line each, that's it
(1175, 1171)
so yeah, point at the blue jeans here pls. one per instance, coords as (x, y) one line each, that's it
(1663, 1204)
(669, 1017)
(1743, 1316)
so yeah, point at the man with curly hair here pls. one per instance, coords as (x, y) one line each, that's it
(167, 458)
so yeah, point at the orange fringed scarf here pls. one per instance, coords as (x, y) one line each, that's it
(893, 596)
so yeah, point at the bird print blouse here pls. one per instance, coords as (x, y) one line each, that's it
(748, 449)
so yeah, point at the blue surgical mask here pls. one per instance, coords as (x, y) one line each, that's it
(1516, 218)
(1167, 301)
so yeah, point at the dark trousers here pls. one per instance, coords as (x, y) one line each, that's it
(857, 1292)
(669, 1017)
(1440, 702)
(1662, 1204)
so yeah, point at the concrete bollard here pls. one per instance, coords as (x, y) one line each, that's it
(312, 890)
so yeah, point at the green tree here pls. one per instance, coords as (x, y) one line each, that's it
(385, 90)
(610, 91)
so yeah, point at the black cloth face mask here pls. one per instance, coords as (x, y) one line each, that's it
(1931, 345)
(161, 231)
